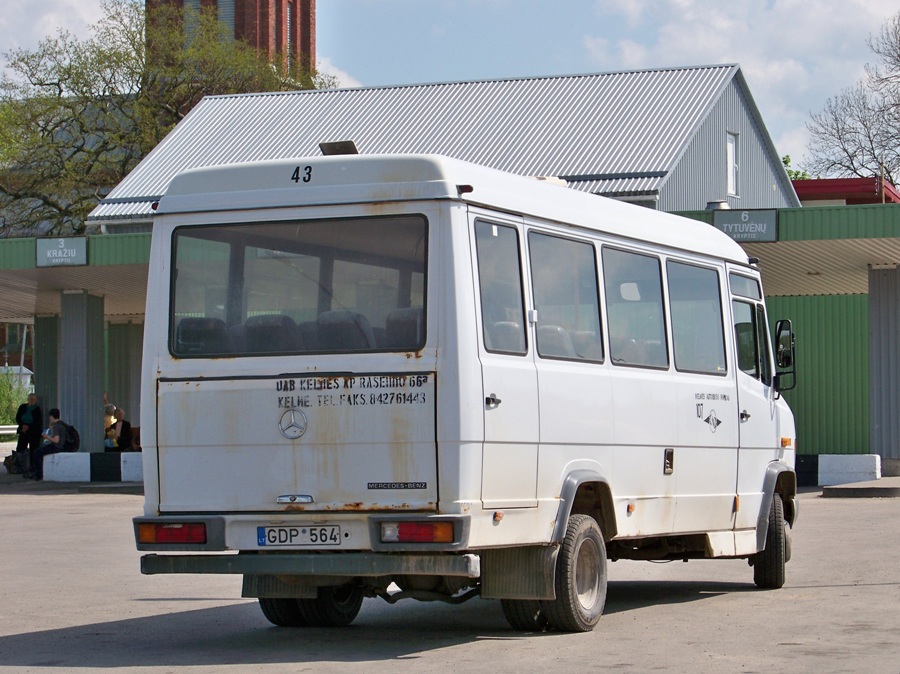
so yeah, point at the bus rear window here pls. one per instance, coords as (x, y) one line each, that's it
(323, 286)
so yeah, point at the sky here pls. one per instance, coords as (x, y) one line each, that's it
(794, 54)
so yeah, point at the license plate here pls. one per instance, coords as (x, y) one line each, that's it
(316, 535)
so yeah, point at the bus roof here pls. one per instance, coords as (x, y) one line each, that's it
(350, 179)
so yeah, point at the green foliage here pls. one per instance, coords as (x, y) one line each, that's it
(77, 115)
(794, 174)
(12, 394)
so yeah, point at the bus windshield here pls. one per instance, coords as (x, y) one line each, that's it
(320, 286)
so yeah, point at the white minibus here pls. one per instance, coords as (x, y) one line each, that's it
(413, 377)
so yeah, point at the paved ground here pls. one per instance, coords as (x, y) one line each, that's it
(73, 599)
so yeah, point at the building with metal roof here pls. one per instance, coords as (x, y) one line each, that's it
(674, 139)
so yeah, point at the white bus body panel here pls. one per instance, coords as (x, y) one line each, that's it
(214, 429)
(361, 434)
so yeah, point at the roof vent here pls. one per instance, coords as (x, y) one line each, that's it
(553, 180)
(338, 147)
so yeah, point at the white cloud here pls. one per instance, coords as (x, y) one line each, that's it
(598, 49)
(633, 55)
(344, 79)
(23, 24)
(794, 54)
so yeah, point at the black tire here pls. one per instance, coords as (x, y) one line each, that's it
(525, 615)
(334, 607)
(282, 612)
(580, 578)
(768, 567)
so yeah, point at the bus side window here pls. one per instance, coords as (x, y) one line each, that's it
(698, 336)
(765, 367)
(500, 284)
(746, 338)
(564, 278)
(634, 307)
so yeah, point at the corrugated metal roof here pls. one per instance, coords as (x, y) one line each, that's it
(619, 132)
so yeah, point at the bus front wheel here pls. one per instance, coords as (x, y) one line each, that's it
(768, 566)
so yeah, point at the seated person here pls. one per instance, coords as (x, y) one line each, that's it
(54, 441)
(121, 432)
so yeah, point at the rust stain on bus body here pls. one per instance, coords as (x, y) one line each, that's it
(357, 507)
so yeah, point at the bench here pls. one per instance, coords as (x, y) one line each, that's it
(94, 467)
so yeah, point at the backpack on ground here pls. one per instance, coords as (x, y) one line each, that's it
(72, 440)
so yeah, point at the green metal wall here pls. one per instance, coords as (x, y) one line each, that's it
(827, 223)
(831, 400)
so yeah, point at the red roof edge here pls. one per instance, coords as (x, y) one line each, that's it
(852, 190)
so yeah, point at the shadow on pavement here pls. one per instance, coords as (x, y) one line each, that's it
(239, 635)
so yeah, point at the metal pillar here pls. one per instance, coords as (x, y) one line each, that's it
(125, 345)
(884, 366)
(82, 366)
(46, 361)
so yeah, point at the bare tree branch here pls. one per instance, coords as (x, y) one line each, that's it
(857, 133)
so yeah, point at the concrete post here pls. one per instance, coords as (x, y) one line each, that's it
(82, 366)
(46, 361)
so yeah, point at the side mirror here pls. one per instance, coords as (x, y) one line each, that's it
(785, 356)
(784, 344)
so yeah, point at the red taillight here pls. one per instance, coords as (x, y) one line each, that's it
(417, 532)
(187, 532)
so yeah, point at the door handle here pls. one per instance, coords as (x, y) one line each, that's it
(745, 415)
(492, 400)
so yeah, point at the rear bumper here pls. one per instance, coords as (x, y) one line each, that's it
(349, 564)
(240, 532)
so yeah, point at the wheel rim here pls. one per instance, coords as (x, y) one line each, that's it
(344, 596)
(587, 573)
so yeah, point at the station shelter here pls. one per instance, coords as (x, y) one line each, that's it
(687, 140)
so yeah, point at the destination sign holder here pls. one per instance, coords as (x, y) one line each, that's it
(748, 225)
(61, 252)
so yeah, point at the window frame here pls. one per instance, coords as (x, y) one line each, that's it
(664, 318)
(721, 313)
(763, 370)
(238, 236)
(485, 340)
(732, 164)
(534, 232)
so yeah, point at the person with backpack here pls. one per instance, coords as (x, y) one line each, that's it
(54, 441)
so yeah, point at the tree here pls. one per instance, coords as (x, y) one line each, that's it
(12, 394)
(857, 133)
(793, 174)
(77, 115)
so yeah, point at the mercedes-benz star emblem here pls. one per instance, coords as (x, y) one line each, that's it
(293, 423)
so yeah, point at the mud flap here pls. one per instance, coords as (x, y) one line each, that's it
(519, 573)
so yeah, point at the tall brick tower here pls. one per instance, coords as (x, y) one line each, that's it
(275, 27)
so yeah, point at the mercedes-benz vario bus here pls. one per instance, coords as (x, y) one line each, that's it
(409, 376)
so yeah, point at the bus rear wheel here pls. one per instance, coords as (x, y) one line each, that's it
(525, 615)
(284, 612)
(581, 577)
(333, 607)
